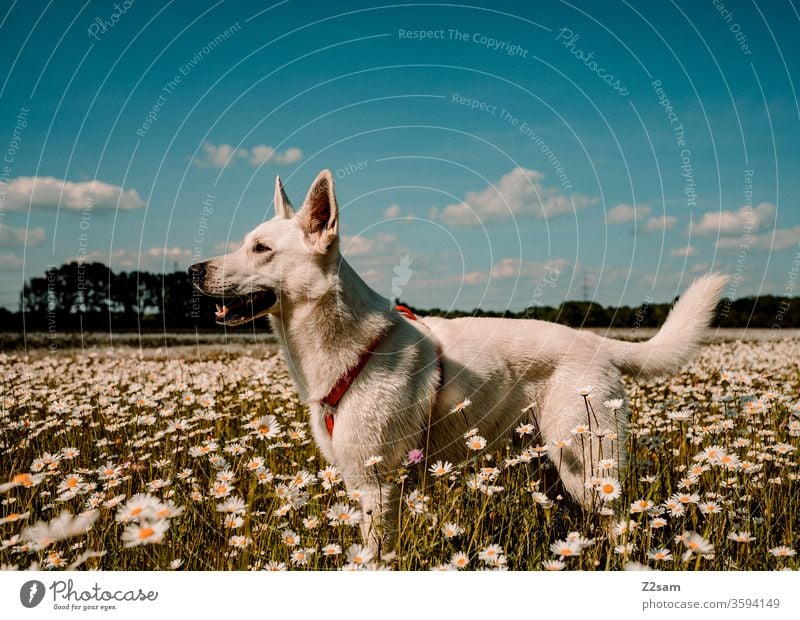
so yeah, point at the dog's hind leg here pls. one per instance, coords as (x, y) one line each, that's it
(581, 430)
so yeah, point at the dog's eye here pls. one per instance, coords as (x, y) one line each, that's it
(260, 248)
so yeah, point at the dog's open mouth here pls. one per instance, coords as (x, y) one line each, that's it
(238, 310)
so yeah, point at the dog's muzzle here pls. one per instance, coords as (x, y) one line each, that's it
(234, 308)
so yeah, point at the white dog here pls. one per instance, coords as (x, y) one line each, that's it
(380, 383)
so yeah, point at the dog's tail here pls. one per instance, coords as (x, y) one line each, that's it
(679, 338)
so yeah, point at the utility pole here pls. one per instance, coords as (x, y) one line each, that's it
(585, 285)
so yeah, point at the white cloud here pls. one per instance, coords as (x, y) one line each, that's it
(474, 277)
(222, 155)
(218, 156)
(775, 241)
(49, 193)
(519, 193)
(689, 250)
(226, 247)
(10, 262)
(392, 211)
(20, 237)
(359, 245)
(660, 223)
(624, 213)
(446, 283)
(149, 259)
(263, 153)
(514, 267)
(735, 222)
(173, 253)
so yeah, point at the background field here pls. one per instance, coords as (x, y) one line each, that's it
(171, 452)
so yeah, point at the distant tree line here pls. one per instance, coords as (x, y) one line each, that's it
(92, 296)
(764, 311)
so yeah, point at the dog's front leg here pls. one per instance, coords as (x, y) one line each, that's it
(380, 504)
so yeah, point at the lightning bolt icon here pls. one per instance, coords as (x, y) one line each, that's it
(32, 593)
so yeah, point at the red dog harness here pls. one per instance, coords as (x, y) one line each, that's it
(330, 402)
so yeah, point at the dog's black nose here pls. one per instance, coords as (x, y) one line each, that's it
(197, 270)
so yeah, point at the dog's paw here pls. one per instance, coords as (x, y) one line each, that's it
(388, 557)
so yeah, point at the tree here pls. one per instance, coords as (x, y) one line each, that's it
(92, 296)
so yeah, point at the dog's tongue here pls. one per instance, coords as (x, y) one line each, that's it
(221, 311)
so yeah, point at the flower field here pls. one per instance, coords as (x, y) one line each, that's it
(201, 458)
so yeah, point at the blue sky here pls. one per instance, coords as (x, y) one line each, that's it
(514, 153)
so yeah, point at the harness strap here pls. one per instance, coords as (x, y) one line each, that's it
(331, 400)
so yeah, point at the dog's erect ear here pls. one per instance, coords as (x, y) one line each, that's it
(319, 217)
(283, 208)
